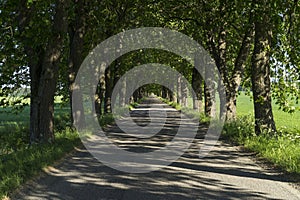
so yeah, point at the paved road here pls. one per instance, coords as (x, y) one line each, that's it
(225, 174)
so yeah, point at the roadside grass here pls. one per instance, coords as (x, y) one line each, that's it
(172, 104)
(19, 161)
(282, 149)
(106, 119)
(109, 118)
(14, 127)
(187, 110)
(19, 166)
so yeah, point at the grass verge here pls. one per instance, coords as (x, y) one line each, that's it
(19, 166)
(187, 111)
(20, 163)
(282, 149)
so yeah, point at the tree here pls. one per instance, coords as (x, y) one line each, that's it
(43, 60)
(260, 71)
(285, 62)
(225, 30)
(197, 86)
(77, 32)
(14, 74)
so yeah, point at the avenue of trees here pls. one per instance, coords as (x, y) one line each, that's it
(254, 44)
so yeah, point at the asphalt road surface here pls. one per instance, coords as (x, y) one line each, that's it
(226, 173)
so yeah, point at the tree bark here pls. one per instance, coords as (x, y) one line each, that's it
(184, 93)
(239, 66)
(218, 48)
(141, 92)
(164, 92)
(108, 89)
(179, 90)
(135, 96)
(77, 30)
(34, 101)
(174, 97)
(43, 63)
(231, 92)
(122, 98)
(170, 94)
(98, 101)
(197, 87)
(49, 74)
(209, 93)
(209, 98)
(261, 85)
(35, 65)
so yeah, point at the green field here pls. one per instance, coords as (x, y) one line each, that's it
(282, 119)
(244, 107)
(10, 120)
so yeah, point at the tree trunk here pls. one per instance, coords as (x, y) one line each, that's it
(35, 65)
(43, 63)
(101, 93)
(239, 66)
(209, 93)
(97, 101)
(163, 92)
(140, 92)
(135, 96)
(76, 33)
(260, 75)
(174, 97)
(179, 90)
(109, 79)
(34, 103)
(218, 48)
(122, 98)
(197, 87)
(210, 101)
(170, 94)
(184, 93)
(49, 73)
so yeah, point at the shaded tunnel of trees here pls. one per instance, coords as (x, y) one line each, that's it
(254, 44)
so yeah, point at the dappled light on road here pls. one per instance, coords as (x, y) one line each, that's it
(225, 173)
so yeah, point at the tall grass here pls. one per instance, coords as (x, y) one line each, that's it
(19, 166)
(19, 161)
(282, 149)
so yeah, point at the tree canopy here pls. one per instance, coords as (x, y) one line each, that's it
(254, 44)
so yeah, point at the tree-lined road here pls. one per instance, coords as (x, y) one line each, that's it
(225, 173)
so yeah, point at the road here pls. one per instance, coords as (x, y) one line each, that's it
(226, 173)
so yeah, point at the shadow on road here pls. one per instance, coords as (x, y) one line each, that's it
(224, 174)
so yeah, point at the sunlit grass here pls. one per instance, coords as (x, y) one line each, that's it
(282, 119)
(19, 161)
(282, 149)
